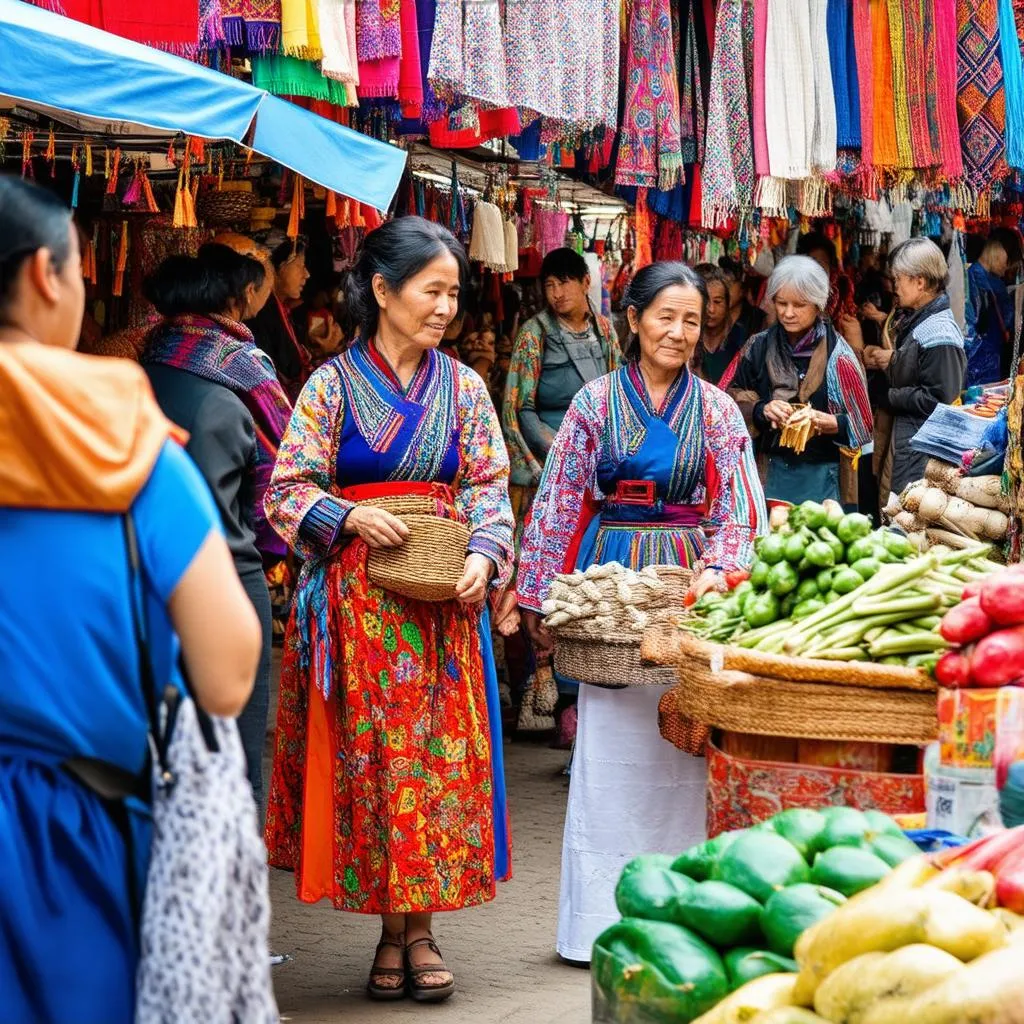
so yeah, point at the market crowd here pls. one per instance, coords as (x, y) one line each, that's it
(421, 467)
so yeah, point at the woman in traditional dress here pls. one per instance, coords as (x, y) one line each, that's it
(802, 360)
(387, 793)
(665, 460)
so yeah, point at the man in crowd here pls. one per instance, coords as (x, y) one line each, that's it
(989, 310)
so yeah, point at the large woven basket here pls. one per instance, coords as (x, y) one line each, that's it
(686, 733)
(226, 208)
(431, 562)
(611, 661)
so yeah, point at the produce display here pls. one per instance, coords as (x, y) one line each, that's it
(825, 585)
(937, 939)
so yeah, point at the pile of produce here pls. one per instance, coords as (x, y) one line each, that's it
(825, 585)
(936, 940)
(609, 598)
(986, 631)
(730, 910)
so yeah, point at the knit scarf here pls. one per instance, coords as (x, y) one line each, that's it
(727, 176)
(252, 25)
(169, 23)
(945, 58)
(1013, 73)
(921, 81)
(886, 149)
(842, 56)
(980, 93)
(300, 29)
(694, 80)
(897, 44)
(338, 40)
(649, 142)
(865, 90)
(378, 29)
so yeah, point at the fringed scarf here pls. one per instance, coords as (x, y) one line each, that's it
(289, 76)
(378, 29)
(694, 80)
(981, 98)
(886, 149)
(1013, 74)
(897, 45)
(300, 29)
(649, 144)
(865, 90)
(338, 41)
(945, 59)
(410, 71)
(727, 178)
(922, 82)
(842, 56)
(252, 25)
(171, 24)
(467, 58)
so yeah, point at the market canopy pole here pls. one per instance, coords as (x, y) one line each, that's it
(60, 66)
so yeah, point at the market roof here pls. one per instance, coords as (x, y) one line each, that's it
(115, 86)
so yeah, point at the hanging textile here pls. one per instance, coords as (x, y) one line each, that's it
(410, 71)
(378, 29)
(980, 94)
(842, 56)
(211, 25)
(289, 76)
(727, 178)
(468, 54)
(944, 12)
(694, 80)
(886, 151)
(865, 91)
(649, 143)
(339, 60)
(789, 90)
(1013, 75)
(300, 29)
(897, 44)
(169, 23)
(823, 136)
(252, 25)
(762, 164)
(918, 57)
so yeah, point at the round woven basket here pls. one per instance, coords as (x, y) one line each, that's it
(741, 702)
(431, 562)
(222, 208)
(611, 661)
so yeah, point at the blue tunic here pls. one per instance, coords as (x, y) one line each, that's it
(69, 687)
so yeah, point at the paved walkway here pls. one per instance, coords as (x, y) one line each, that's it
(502, 954)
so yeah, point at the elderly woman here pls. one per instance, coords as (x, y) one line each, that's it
(801, 361)
(387, 793)
(665, 459)
(926, 365)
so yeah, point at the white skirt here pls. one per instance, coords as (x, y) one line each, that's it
(630, 792)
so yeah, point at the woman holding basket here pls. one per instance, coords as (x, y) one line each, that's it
(387, 794)
(650, 466)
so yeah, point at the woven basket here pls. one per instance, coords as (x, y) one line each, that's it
(431, 562)
(613, 661)
(689, 735)
(741, 702)
(224, 208)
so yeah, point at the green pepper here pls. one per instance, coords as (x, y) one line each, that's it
(759, 574)
(712, 597)
(742, 589)
(852, 527)
(820, 554)
(846, 580)
(807, 590)
(773, 549)
(796, 518)
(866, 567)
(835, 514)
(897, 545)
(761, 610)
(860, 549)
(814, 515)
(824, 581)
(787, 606)
(783, 579)
(838, 549)
(806, 607)
(731, 607)
(795, 548)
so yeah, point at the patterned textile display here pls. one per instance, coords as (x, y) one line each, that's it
(211, 25)
(727, 175)
(946, 88)
(337, 20)
(649, 144)
(823, 138)
(290, 76)
(300, 29)
(467, 57)
(386, 781)
(981, 99)
(842, 56)
(919, 61)
(253, 25)
(1013, 76)
(378, 29)
(901, 99)
(223, 351)
(695, 80)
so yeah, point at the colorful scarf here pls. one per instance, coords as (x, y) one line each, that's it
(897, 44)
(981, 97)
(886, 149)
(410, 70)
(289, 76)
(339, 60)
(842, 56)
(762, 165)
(694, 80)
(1013, 73)
(223, 351)
(252, 25)
(945, 58)
(649, 142)
(922, 81)
(378, 29)
(300, 29)
(727, 176)
(169, 23)
(865, 91)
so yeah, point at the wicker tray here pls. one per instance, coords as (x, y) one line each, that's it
(741, 702)
(613, 661)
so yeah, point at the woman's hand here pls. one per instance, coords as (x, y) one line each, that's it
(871, 312)
(541, 638)
(507, 619)
(378, 528)
(777, 413)
(708, 580)
(824, 423)
(472, 588)
(876, 358)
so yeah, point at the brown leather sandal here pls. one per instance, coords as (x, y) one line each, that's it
(387, 993)
(419, 991)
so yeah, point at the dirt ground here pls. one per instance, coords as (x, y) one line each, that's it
(502, 954)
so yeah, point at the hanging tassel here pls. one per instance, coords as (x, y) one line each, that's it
(113, 172)
(133, 193)
(51, 152)
(178, 219)
(74, 189)
(248, 158)
(172, 157)
(371, 218)
(197, 147)
(27, 138)
(147, 194)
(88, 158)
(343, 216)
(331, 206)
(298, 207)
(357, 215)
(220, 172)
(117, 288)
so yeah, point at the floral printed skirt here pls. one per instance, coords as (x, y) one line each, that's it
(381, 795)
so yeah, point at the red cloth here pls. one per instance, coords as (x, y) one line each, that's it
(410, 74)
(168, 22)
(494, 124)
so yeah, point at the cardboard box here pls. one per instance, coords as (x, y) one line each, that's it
(973, 722)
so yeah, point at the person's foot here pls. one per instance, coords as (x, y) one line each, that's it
(388, 974)
(430, 981)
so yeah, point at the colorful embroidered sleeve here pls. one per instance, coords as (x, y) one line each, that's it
(482, 487)
(558, 509)
(848, 397)
(738, 513)
(299, 502)
(520, 396)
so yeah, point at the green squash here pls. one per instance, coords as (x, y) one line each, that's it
(649, 860)
(649, 972)
(720, 913)
(804, 828)
(846, 827)
(848, 869)
(790, 912)
(744, 963)
(699, 861)
(651, 893)
(761, 863)
(893, 849)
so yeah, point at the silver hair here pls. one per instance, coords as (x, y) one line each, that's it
(921, 257)
(807, 278)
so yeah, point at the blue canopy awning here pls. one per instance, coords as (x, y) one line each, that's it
(51, 62)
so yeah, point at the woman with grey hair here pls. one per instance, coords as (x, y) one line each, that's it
(922, 362)
(802, 361)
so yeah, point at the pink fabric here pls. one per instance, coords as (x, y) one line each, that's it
(761, 166)
(551, 226)
(945, 58)
(378, 79)
(410, 73)
(862, 44)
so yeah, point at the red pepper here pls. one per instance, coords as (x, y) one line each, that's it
(999, 658)
(966, 622)
(1009, 874)
(984, 853)
(953, 670)
(737, 576)
(973, 589)
(1002, 597)
(690, 599)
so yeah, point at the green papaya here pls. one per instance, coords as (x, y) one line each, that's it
(744, 963)
(893, 849)
(699, 861)
(848, 869)
(790, 912)
(882, 824)
(803, 828)
(846, 827)
(720, 913)
(650, 893)
(649, 860)
(761, 863)
(655, 972)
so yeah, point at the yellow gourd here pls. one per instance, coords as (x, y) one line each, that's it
(977, 887)
(789, 1015)
(746, 1003)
